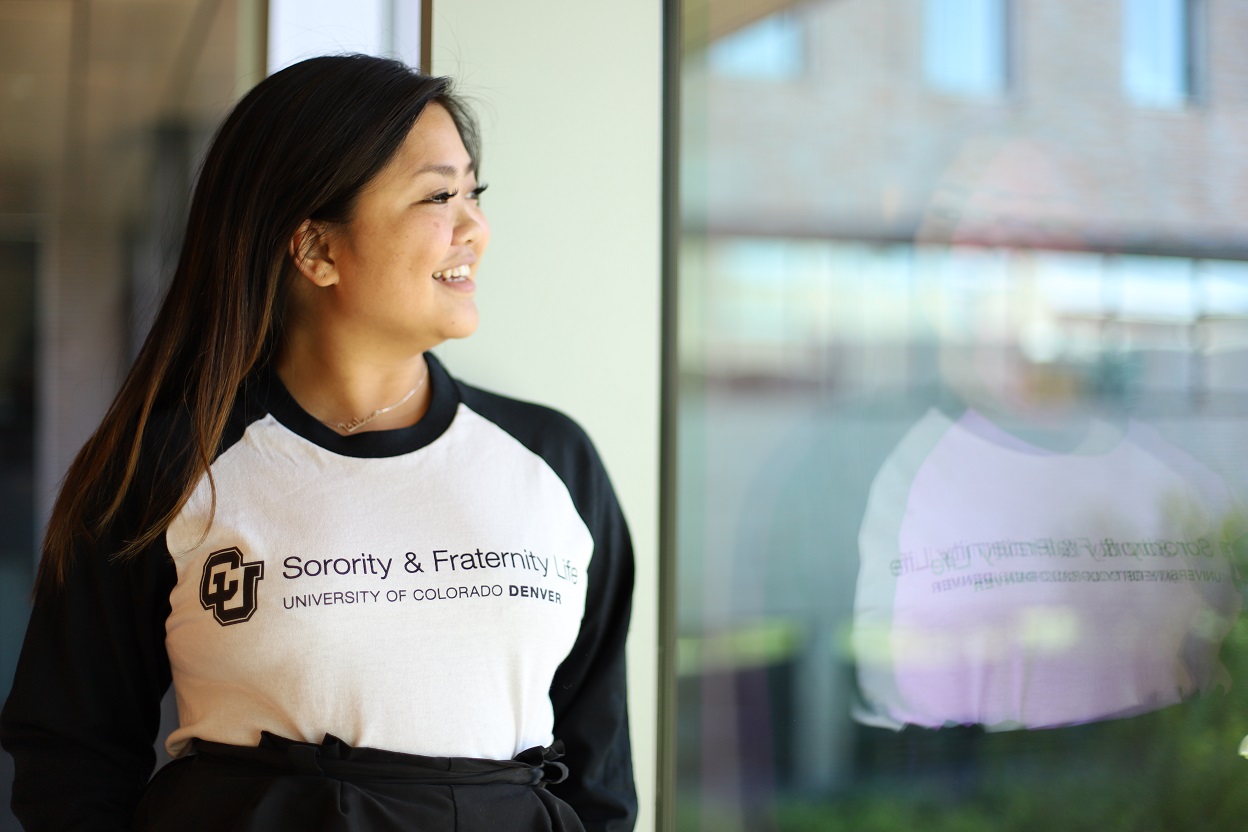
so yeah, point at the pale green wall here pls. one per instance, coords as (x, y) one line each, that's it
(569, 96)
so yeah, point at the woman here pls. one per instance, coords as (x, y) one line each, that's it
(372, 585)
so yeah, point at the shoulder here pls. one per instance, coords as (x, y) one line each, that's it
(171, 451)
(543, 430)
(173, 430)
(555, 437)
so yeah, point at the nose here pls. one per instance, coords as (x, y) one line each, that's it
(471, 227)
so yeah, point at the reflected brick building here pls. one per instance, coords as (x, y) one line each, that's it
(866, 141)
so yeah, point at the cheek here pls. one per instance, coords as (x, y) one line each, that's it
(430, 242)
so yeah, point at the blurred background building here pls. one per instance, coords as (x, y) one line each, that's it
(107, 106)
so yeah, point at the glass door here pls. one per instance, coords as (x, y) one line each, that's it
(962, 338)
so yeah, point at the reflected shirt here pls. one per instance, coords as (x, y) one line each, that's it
(1009, 586)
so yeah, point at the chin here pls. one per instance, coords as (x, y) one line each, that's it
(462, 328)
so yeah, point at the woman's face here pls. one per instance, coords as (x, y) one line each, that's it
(406, 264)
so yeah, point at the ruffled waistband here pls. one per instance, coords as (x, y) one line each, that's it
(332, 757)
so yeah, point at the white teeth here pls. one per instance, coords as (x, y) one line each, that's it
(453, 275)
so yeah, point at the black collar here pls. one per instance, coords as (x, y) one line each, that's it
(269, 395)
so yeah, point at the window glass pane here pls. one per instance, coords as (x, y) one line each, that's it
(769, 49)
(1155, 52)
(299, 29)
(18, 270)
(302, 28)
(964, 45)
(108, 107)
(961, 531)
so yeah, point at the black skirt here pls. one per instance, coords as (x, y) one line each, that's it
(287, 785)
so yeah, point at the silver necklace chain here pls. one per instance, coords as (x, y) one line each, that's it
(359, 422)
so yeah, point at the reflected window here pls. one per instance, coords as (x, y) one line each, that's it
(964, 46)
(1157, 52)
(773, 49)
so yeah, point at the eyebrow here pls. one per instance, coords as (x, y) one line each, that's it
(443, 170)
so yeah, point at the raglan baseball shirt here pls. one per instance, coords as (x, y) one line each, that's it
(457, 588)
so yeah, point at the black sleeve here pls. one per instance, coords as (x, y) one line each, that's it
(84, 710)
(588, 693)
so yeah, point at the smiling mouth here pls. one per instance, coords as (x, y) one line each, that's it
(456, 275)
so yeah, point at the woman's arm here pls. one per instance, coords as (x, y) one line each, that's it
(85, 705)
(589, 692)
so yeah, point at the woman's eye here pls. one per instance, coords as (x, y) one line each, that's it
(476, 192)
(443, 198)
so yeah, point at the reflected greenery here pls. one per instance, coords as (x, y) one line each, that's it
(1176, 769)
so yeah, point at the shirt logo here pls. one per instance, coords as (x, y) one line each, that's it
(229, 586)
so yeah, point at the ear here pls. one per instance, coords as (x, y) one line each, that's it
(309, 251)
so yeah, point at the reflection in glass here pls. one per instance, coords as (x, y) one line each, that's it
(964, 45)
(1156, 58)
(769, 49)
(1013, 586)
(961, 534)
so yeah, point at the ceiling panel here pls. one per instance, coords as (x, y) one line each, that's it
(87, 120)
(34, 81)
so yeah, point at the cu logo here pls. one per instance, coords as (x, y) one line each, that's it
(229, 586)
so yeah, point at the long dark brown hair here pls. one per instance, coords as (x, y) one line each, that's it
(301, 145)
